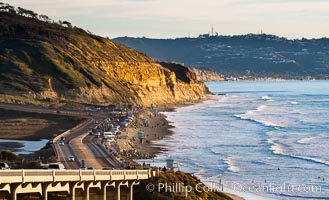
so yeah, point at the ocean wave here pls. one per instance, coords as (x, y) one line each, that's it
(231, 164)
(267, 116)
(266, 98)
(275, 147)
(312, 140)
(263, 122)
(278, 149)
(216, 151)
(306, 140)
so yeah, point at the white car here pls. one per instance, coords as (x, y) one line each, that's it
(56, 166)
(71, 158)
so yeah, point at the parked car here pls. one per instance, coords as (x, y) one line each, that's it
(4, 166)
(83, 168)
(61, 143)
(71, 158)
(56, 166)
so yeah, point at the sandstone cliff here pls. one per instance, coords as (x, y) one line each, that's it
(206, 75)
(47, 63)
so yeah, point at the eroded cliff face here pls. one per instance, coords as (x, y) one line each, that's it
(206, 75)
(45, 63)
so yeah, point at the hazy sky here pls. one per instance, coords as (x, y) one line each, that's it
(179, 18)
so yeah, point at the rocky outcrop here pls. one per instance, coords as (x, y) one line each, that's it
(46, 63)
(206, 75)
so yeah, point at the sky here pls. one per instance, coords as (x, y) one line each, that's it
(183, 18)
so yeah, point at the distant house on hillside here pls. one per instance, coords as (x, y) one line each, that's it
(204, 35)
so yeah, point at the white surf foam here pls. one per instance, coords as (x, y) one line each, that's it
(230, 161)
(275, 147)
(261, 115)
(313, 140)
(278, 149)
(306, 140)
(266, 98)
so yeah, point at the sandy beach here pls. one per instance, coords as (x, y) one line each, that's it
(158, 128)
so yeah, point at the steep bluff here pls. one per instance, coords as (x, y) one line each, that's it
(206, 75)
(45, 63)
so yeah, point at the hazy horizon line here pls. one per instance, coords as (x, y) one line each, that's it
(222, 35)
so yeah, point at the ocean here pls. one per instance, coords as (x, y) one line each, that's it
(264, 138)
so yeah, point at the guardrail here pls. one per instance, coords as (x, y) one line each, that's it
(55, 139)
(64, 134)
(32, 176)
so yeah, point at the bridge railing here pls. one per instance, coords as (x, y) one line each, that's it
(30, 176)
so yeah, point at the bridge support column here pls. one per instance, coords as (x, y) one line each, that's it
(13, 191)
(117, 194)
(72, 190)
(86, 190)
(45, 190)
(103, 188)
(131, 189)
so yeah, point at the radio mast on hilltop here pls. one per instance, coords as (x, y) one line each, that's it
(212, 30)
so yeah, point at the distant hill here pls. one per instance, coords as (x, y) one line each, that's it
(252, 55)
(46, 62)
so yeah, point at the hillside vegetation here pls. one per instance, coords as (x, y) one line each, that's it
(45, 62)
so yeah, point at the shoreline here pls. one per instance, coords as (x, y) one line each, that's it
(156, 150)
(159, 128)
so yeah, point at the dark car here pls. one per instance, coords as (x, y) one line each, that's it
(4, 166)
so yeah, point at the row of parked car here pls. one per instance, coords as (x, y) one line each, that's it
(106, 130)
(109, 128)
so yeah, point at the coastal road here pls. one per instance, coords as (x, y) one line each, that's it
(101, 152)
(67, 149)
(82, 152)
(82, 146)
(92, 154)
(38, 109)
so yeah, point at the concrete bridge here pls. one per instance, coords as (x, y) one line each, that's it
(19, 184)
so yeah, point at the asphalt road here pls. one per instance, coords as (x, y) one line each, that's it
(94, 155)
(101, 153)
